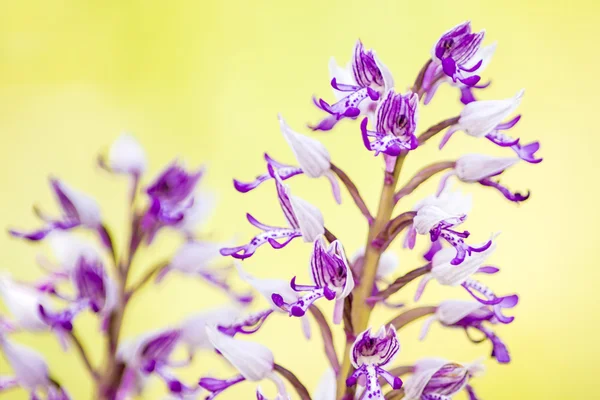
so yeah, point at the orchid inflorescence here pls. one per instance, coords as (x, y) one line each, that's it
(78, 280)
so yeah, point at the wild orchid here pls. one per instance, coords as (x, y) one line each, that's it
(85, 276)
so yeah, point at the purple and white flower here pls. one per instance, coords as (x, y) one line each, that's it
(171, 199)
(30, 372)
(485, 118)
(439, 379)
(456, 51)
(94, 287)
(78, 209)
(332, 279)
(434, 76)
(396, 122)
(253, 361)
(31, 310)
(311, 155)
(480, 168)
(446, 273)
(304, 219)
(370, 353)
(437, 216)
(151, 353)
(356, 88)
(252, 322)
(467, 315)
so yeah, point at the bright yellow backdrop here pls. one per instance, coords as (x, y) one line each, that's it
(204, 80)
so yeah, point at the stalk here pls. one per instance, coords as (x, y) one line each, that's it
(361, 310)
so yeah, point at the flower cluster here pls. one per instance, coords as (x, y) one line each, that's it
(84, 277)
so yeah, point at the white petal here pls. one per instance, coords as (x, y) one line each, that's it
(253, 360)
(194, 328)
(198, 214)
(266, 287)
(193, 257)
(451, 311)
(476, 368)
(313, 157)
(29, 367)
(453, 275)
(68, 248)
(424, 370)
(481, 117)
(427, 217)
(484, 54)
(388, 262)
(23, 304)
(452, 202)
(341, 75)
(127, 156)
(474, 167)
(87, 207)
(309, 218)
(388, 79)
(327, 386)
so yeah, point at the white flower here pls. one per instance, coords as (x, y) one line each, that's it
(30, 369)
(450, 312)
(310, 219)
(68, 248)
(126, 156)
(313, 157)
(194, 257)
(193, 329)
(253, 360)
(23, 304)
(266, 287)
(475, 167)
(479, 118)
(86, 208)
(453, 275)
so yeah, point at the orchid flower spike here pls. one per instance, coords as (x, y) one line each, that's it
(151, 353)
(464, 314)
(435, 76)
(311, 155)
(172, 199)
(30, 372)
(448, 274)
(252, 322)
(370, 353)
(480, 168)
(198, 258)
(332, 278)
(356, 87)
(438, 379)
(455, 51)
(485, 118)
(438, 216)
(78, 209)
(395, 125)
(304, 219)
(253, 361)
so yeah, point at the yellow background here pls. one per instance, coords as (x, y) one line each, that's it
(204, 81)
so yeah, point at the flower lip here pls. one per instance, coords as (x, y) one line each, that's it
(378, 350)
